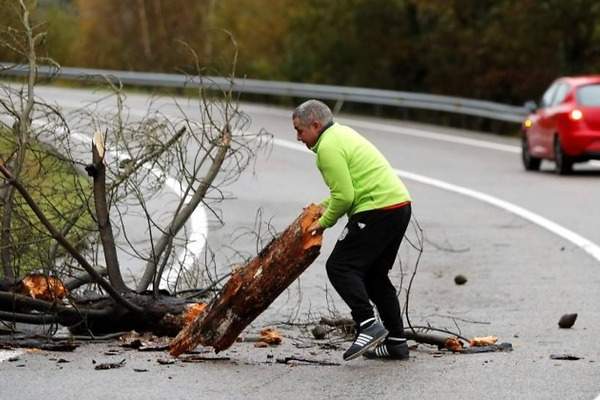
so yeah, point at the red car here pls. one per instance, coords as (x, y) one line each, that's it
(565, 127)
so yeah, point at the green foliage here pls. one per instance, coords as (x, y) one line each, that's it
(9, 13)
(357, 42)
(56, 187)
(502, 50)
(260, 29)
(62, 25)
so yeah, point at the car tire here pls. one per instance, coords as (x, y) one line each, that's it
(530, 162)
(564, 163)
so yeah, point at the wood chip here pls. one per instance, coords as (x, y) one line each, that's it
(110, 365)
(568, 357)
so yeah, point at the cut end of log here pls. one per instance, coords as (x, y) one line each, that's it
(311, 214)
(181, 345)
(43, 287)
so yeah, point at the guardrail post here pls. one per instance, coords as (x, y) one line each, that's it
(338, 106)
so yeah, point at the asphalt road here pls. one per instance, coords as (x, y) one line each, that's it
(515, 235)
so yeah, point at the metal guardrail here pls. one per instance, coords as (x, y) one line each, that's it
(458, 105)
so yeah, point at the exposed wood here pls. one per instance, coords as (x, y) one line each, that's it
(427, 338)
(252, 288)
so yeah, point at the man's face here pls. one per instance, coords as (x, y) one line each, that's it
(307, 134)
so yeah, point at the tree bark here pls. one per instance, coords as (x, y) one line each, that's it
(144, 30)
(165, 315)
(103, 217)
(252, 288)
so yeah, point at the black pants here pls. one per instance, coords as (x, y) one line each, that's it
(361, 259)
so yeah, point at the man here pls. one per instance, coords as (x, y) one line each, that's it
(363, 185)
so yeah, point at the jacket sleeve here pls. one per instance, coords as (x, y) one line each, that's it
(334, 168)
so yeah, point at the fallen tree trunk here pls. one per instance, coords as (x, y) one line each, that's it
(163, 315)
(252, 288)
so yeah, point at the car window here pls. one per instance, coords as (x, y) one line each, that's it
(589, 95)
(548, 96)
(561, 93)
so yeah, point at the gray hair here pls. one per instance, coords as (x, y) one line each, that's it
(313, 110)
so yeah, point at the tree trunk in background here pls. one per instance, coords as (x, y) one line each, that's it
(144, 29)
(252, 288)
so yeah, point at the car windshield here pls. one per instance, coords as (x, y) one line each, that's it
(589, 95)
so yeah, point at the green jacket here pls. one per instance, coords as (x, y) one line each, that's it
(357, 174)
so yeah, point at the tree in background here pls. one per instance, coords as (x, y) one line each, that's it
(356, 42)
(506, 50)
(502, 50)
(142, 34)
(261, 30)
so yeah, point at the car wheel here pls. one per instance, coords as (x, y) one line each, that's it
(530, 162)
(564, 164)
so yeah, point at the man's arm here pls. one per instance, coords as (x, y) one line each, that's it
(334, 169)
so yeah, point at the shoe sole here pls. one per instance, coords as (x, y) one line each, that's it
(406, 357)
(366, 348)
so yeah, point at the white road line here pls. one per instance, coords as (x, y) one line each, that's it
(433, 135)
(420, 133)
(578, 240)
(196, 237)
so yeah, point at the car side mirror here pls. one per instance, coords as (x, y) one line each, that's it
(531, 106)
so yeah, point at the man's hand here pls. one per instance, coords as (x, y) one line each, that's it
(321, 210)
(315, 228)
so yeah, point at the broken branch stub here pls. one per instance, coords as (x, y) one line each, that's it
(252, 288)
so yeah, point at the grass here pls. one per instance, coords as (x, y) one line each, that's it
(60, 191)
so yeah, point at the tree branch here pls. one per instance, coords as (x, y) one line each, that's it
(151, 156)
(22, 134)
(18, 302)
(103, 217)
(65, 243)
(183, 215)
(82, 279)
